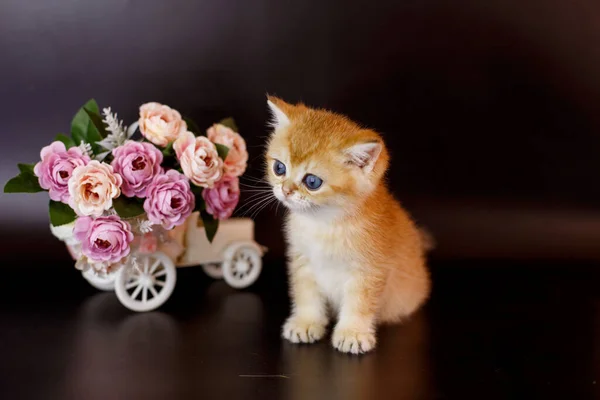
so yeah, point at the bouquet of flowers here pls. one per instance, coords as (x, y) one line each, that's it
(113, 188)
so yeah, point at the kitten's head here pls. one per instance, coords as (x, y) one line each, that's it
(317, 160)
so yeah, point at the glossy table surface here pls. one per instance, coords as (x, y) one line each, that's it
(492, 330)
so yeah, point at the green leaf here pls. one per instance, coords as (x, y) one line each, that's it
(93, 134)
(128, 207)
(197, 190)
(82, 126)
(193, 127)
(222, 150)
(92, 106)
(97, 121)
(61, 137)
(211, 225)
(169, 158)
(26, 168)
(168, 151)
(61, 214)
(80, 121)
(230, 123)
(25, 182)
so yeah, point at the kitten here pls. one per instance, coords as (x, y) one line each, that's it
(352, 248)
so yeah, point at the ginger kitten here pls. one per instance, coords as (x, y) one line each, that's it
(352, 249)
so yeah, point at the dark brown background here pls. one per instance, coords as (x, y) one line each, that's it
(490, 108)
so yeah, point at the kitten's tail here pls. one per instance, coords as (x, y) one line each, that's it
(427, 239)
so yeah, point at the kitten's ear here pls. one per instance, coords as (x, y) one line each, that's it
(280, 110)
(364, 155)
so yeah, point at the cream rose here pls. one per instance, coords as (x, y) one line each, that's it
(237, 157)
(199, 159)
(93, 187)
(160, 124)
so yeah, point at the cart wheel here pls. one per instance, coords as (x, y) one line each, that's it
(215, 270)
(100, 282)
(242, 265)
(148, 286)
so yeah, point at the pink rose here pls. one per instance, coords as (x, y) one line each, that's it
(56, 167)
(222, 199)
(169, 199)
(160, 124)
(137, 163)
(104, 240)
(93, 187)
(199, 159)
(235, 162)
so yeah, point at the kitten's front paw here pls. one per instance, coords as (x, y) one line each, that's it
(353, 341)
(298, 330)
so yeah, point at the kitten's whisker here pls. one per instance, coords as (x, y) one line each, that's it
(276, 206)
(261, 183)
(253, 178)
(258, 204)
(255, 197)
(254, 190)
(257, 190)
(252, 195)
(255, 186)
(254, 201)
(253, 207)
(257, 194)
(249, 187)
(265, 204)
(258, 208)
(261, 187)
(256, 182)
(255, 214)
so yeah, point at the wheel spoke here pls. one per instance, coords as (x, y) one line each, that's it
(153, 291)
(160, 273)
(136, 292)
(154, 266)
(159, 283)
(145, 294)
(146, 262)
(132, 284)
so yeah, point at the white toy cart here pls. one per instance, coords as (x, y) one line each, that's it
(148, 279)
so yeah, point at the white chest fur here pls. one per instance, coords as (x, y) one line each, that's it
(329, 252)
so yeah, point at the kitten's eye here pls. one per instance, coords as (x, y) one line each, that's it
(279, 168)
(312, 182)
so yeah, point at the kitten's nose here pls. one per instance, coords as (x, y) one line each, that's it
(288, 188)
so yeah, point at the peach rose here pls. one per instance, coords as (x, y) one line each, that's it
(235, 162)
(199, 159)
(160, 124)
(93, 187)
